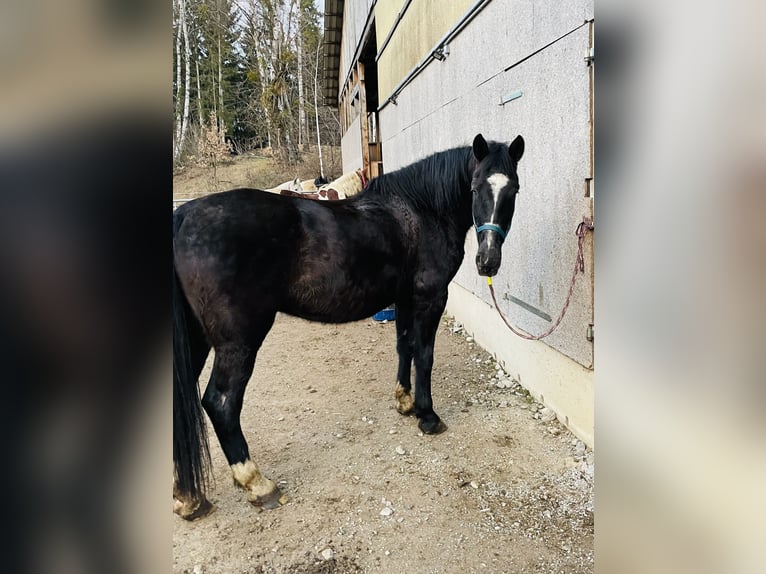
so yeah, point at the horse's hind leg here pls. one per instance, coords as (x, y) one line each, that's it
(234, 362)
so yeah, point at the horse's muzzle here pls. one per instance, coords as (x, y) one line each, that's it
(488, 261)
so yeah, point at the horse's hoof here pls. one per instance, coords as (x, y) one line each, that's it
(269, 501)
(262, 492)
(404, 402)
(432, 427)
(192, 512)
(404, 410)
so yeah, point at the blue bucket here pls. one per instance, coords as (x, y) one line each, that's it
(387, 314)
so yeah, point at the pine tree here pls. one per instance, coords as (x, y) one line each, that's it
(255, 66)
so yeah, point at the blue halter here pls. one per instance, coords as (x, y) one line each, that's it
(490, 227)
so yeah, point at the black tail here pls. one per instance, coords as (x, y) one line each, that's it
(191, 456)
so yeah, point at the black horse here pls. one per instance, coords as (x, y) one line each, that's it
(241, 256)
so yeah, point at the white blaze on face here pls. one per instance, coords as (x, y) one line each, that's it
(496, 181)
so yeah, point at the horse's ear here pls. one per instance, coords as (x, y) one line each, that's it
(480, 147)
(516, 149)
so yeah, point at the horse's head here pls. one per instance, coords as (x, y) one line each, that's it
(494, 187)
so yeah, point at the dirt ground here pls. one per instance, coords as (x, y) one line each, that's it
(504, 489)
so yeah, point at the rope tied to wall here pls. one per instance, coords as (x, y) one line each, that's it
(579, 267)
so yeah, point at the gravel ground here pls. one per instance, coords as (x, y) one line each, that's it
(505, 489)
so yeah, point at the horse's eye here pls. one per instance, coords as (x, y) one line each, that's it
(474, 190)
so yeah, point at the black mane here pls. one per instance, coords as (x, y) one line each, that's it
(437, 182)
(434, 183)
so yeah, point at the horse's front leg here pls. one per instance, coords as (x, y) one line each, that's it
(223, 404)
(425, 323)
(404, 336)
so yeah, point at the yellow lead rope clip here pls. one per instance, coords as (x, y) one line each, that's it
(489, 281)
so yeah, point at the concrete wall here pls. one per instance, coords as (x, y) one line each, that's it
(560, 383)
(351, 146)
(451, 101)
(536, 47)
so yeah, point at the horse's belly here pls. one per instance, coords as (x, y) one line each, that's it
(340, 299)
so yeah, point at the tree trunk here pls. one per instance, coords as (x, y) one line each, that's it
(316, 110)
(221, 127)
(200, 113)
(187, 55)
(177, 139)
(184, 116)
(302, 128)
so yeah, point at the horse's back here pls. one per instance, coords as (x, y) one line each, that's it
(236, 214)
(326, 261)
(233, 250)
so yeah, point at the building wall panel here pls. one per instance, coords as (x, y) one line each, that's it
(422, 25)
(351, 146)
(451, 101)
(354, 19)
(386, 12)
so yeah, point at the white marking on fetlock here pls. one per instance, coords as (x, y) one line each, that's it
(185, 507)
(191, 508)
(404, 402)
(247, 475)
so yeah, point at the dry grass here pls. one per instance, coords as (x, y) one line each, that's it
(250, 170)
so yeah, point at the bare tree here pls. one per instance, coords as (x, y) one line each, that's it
(182, 115)
(316, 108)
(256, 64)
(177, 94)
(301, 97)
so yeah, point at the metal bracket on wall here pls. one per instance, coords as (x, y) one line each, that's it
(524, 305)
(510, 97)
(587, 184)
(591, 57)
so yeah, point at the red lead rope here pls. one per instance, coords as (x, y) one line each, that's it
(584, 226)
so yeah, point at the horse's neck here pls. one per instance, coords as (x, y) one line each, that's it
(344, 179)
(455, 215)
(347, 184)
